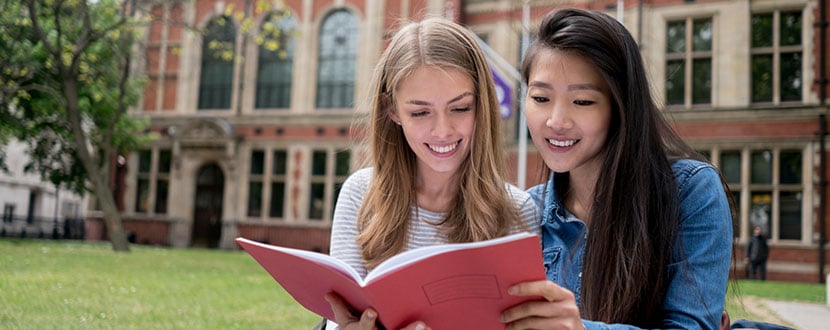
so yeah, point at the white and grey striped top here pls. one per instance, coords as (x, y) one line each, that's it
(421, 233)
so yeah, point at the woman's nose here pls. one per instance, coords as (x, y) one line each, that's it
(442, 127)
(558, 118)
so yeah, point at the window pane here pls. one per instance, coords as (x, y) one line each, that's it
(675, 82)
(144, 161)
(316, 201)
(736, 221)
(336, 62)
(161, 196)
(277, 198)
(762, 78)
(790, 29)
(790, 167)
(761, 167)
(142, 196)
(164, 161)
(791, 77)
(276, 57)
(790, 217)
(762, 30)
(702, 84)
(255, 199)
(280, 162)
(318, 162)
(257, 162)
(760, 214)
(342, 163)
(217, 64)
(702, 38)
(676, 37)
(730, 163)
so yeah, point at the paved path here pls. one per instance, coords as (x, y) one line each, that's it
(805, 316)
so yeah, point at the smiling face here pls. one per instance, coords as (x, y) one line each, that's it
(436, 110)
(568, 112)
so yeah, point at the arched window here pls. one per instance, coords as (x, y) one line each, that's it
(336, 61)
(217, 64)
(276, 57)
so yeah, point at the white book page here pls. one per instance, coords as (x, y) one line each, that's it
(408, 257)
(325, 259)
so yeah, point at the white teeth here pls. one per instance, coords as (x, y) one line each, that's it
(444, 149)
(566, 143)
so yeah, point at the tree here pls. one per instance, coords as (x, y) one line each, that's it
(65, 87)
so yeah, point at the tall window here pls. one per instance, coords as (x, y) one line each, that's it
(329, 170)
(776, 57)
(217, 64)
(337, 60)
(267, 181)
(276, 56)
(689, 62)
(152, 179)
(774, 181)
(8, 213)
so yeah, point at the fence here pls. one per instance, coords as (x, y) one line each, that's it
(42, 227)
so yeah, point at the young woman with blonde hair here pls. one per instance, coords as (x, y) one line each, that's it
(437, 171)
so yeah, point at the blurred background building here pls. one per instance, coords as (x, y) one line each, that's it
(258, 145)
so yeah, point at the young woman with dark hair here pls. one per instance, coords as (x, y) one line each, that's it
(637, 227)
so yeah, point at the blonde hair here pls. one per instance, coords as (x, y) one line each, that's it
(482, 209)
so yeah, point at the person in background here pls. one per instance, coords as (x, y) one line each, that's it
(636, 227)
(437, 171)
(757, 252)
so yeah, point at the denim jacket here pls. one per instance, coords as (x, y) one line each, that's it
(697, 285)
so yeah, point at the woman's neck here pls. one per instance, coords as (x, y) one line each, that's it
(579, 198)
(435, 192)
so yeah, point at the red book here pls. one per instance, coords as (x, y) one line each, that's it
(450, 286)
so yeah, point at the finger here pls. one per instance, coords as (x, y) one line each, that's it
(368, 318)
(342, 313)
(417, 326)
(545, 323)
(530, 309)
(546, 289)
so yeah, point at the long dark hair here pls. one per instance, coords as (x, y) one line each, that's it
(635, 216)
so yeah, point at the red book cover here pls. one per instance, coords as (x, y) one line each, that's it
(450, 286)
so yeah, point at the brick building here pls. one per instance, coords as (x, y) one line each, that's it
(257, 146)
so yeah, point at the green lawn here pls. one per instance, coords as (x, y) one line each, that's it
(77, 285)
(744, 297)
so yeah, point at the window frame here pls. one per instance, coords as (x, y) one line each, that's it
(688, 56)
(775, 51)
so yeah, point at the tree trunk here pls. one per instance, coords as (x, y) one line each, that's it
(112, 218)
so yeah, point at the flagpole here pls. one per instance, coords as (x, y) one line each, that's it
(521, 167)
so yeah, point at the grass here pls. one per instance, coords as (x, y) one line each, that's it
(743, 301)
(76, 285)
(81, 285)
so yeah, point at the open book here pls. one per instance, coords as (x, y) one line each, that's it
(450, 286)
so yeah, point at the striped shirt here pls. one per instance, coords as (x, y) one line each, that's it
(422, 231)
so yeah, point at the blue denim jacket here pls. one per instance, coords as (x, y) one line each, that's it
(697, 287)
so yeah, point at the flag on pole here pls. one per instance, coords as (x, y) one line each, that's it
(504, 93)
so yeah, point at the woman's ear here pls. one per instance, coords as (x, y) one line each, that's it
(388, 106)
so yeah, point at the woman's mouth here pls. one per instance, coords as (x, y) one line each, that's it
(443, 149)
(562, 143)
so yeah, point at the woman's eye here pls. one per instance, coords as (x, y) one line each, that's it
(419, 113)
(584, 102)
(539, 99)
(465, 109)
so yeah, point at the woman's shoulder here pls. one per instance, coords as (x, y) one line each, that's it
(516, 193)
(359, 179)
(690, 170)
